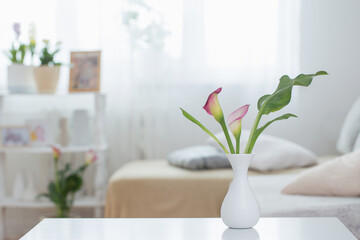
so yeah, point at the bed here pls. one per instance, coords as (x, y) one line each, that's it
(157, 189)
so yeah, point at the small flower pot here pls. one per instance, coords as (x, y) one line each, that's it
(47, 78)
(21, 79)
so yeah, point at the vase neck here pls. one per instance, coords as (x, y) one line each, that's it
(240, 163)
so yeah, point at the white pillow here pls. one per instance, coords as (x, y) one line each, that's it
(272, 153)
(338, 177)
(350, 129)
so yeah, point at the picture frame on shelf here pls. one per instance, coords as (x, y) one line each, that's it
(14, 136)
(85, 71)
(40, 132)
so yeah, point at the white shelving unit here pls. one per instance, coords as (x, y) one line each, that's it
(100, 146)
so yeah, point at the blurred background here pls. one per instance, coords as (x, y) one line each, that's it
(160, 55)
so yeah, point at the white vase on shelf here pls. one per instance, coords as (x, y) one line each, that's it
(64, 133)
(80, 124)
(18, 187)
(30, 192)
(21, 79)
(240, 208)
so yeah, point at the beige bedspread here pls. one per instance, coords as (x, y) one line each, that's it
(157, 189)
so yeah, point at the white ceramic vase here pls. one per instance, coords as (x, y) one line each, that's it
(18, 187)
(20, 78)
(80, 124)
(240, 208)
(47, 78)
(30, 193)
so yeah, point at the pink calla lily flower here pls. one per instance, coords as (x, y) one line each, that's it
(212, 106)
(56, 152)
(90, 157)
(234, 120)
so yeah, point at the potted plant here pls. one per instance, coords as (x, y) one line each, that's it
(240, 208)
(61, 191)
(47, 74)
(20, 77)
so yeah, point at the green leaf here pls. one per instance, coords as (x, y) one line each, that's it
(262, 100)
(261, 129)
(73, 183)
(282, 95)
(41, 195)
(191, 118)
(276, 101)
(53, 194)
(319, 73)
(283, 117)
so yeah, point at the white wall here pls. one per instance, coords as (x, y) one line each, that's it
(330, 40)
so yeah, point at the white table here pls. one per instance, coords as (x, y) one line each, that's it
(188, 229)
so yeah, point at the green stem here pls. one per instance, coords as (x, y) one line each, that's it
(228, 139)
(237, 146)
(72, 196)
(250, 144)
(238, 143)
(57, 175)
(61, 212)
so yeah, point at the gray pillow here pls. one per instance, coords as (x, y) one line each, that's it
(199, 157)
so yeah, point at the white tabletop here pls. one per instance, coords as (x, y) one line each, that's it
(188, 229)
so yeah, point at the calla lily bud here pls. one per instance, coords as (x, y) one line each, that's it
(90, 157)
(212, 106)
(56, 152)
(234, 120)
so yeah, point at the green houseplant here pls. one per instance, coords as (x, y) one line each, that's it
(47, 74)
(61, 191)
(18, 50)
(240, 208)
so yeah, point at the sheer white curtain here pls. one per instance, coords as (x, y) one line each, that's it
(159, 55)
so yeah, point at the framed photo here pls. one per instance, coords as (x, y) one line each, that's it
(15, 136)
(85, 71)
(40, 132)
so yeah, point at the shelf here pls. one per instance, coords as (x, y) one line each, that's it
(57, 94)
(84, 202)
(70, 149)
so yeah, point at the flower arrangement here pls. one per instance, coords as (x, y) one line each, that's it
(17, 52)
(61, 191)
(266, 104)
